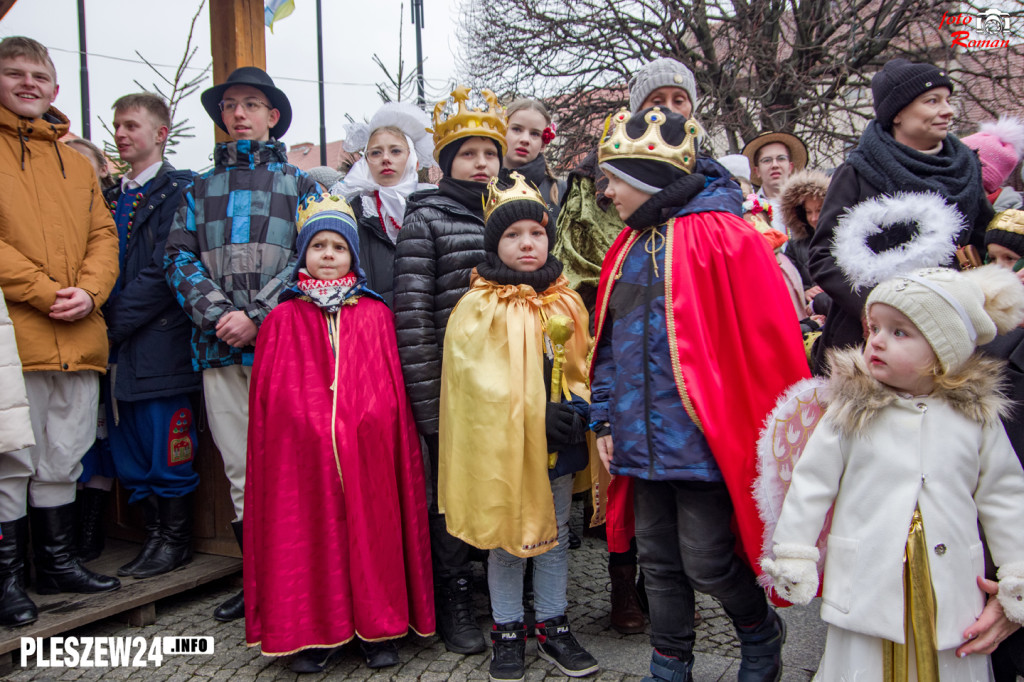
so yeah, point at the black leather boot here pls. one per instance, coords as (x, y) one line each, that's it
(57, 568)
(455, 621)
(233, 608)
(154, 539)
(176, 529)
(91, 536)
(15, 606)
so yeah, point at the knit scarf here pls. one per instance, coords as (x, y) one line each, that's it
(495, 270)
(327, 294)
(891, 167)
(667, 202)
(465, 192)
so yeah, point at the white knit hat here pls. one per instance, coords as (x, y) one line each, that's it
(956, 311)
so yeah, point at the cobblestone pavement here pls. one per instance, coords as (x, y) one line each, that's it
(622, 657)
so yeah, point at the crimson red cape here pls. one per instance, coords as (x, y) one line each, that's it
(323, 561)
(739, 347)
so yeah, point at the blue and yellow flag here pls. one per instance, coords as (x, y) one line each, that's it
(274, 10)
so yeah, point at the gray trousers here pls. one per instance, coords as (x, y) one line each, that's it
(62, 408)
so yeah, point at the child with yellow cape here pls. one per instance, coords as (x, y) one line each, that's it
(508, 452)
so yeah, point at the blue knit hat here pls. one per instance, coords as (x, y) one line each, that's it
(326, 212)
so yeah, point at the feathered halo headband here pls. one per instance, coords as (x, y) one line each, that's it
(936, 224)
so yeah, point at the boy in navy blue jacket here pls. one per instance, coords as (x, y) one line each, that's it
(149, 412)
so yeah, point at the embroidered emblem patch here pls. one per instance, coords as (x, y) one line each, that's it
(179, 445)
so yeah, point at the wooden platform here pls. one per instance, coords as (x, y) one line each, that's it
(62, 612)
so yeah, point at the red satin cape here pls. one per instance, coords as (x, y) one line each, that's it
(737, 347)
(325, 561)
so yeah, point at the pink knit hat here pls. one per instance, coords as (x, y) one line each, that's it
(1000, 146)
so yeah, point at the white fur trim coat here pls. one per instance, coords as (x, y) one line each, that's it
(878, 455)
(15, 427)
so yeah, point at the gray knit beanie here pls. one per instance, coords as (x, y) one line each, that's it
(658, 74)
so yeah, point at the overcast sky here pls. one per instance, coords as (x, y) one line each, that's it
(353, 31)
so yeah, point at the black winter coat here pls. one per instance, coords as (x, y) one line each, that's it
(843, 326)
(376, 252)
(438, 246)
(149, 329)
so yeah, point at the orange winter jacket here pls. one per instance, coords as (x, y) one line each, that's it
(55, 232)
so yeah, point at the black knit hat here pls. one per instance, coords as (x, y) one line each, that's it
(1007, 229)
(508, 212)
(649, 175)
(899, 83)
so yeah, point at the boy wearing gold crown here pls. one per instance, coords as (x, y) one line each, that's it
(508, 454)
(695, 339)
(336, 532)
(439, 244)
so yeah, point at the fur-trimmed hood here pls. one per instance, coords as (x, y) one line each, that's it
(975, 390)
(800, 186)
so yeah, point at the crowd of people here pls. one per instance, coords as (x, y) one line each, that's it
(403, 378)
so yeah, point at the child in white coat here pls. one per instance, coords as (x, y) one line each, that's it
(912, 456)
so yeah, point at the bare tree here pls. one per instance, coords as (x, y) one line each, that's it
(173, 89)
(801, 66)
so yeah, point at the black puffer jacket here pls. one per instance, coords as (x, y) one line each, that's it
(438, 246)
(376, 252)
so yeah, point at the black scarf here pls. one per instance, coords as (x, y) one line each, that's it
(667, 202)
(495, 270)
(466, 193)
(891, 167)
(534, 171)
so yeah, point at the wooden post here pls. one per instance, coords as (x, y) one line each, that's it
(237, 38)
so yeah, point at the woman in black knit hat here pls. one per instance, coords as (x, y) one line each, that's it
(906, 148)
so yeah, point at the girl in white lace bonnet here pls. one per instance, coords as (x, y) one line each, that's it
(394, 144)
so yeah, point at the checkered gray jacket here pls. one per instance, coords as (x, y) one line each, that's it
(232, 244)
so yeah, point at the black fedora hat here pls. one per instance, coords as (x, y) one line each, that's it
(257, 78)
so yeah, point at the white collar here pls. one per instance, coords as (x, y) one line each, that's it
(140, 179)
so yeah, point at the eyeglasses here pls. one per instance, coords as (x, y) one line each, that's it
(768, 160)
(250, 105)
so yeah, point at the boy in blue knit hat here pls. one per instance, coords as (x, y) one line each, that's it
(336, 539)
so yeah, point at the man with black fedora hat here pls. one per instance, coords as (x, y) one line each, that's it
(230, 253)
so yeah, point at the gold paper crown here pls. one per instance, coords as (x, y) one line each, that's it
(520, 190)
(319, 203)
(1010, 220)
(466, 122)
(617, 144)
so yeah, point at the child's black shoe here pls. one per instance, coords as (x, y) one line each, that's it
(508, 652)
(556, 644)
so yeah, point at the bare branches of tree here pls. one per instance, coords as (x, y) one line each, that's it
(801, 66)
(173, 88)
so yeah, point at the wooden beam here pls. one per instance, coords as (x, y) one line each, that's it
(237, 38)
(5, 7)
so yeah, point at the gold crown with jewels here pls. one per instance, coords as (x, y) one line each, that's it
(321, 203)
(521, 190)
(468, 122)
(617, 144)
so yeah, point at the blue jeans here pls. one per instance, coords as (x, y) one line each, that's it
(685, 541)
(550, 570)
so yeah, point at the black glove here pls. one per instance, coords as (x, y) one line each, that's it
(564, 425)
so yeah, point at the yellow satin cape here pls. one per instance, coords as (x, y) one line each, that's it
(493, 485)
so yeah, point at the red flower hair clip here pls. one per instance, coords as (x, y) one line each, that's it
(548, 134)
